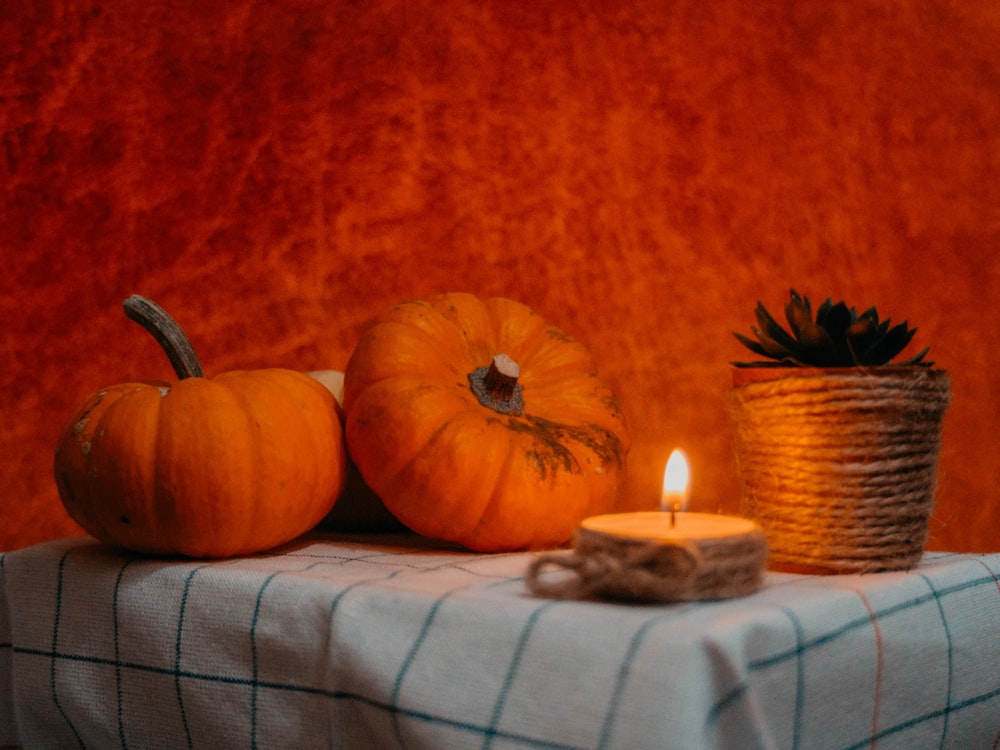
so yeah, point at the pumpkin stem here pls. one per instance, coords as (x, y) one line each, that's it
(496, 386)
(168, 335)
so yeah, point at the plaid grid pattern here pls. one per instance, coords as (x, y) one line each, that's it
(364, 643)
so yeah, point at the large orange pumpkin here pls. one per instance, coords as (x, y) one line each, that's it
(478, 423)
(202, 467)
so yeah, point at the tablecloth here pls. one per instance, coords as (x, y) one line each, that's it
(348, 642)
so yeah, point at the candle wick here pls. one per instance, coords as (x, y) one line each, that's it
(673, 516)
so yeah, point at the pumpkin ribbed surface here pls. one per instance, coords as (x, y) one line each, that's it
(451, 467)
(203, 467)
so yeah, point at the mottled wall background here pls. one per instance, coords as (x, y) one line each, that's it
(640, 172)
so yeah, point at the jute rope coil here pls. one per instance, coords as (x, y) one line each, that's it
(840, 469)
(604, 566)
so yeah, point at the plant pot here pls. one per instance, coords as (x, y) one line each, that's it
(839, 466)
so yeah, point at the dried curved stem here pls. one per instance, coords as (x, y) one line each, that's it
(168, 335)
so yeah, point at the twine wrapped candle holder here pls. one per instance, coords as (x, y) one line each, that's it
(639, 557)
(839, 467)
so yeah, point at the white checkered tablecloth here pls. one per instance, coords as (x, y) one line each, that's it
(353, 643)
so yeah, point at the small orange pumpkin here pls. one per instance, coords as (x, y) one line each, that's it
(478, 423)
(201, 467)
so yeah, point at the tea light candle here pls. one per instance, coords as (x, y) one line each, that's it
(665, 555)
(671, 525)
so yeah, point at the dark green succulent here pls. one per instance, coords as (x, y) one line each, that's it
(837, 337)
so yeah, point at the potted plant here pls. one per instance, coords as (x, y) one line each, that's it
(837, 446)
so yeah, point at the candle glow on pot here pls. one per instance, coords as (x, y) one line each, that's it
(676, 484)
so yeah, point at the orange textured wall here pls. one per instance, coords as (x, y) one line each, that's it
(640, 173)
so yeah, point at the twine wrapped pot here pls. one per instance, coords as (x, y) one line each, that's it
(839, 467)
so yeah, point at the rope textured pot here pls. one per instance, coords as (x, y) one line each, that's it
(838, 463)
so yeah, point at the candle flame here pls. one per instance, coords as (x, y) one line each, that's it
(676, 483)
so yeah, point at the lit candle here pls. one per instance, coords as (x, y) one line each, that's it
(669, 525)
(665, 555)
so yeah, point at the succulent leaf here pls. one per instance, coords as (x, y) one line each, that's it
(752, 345)
(919, 359)
(805, 330)
(823, 311)
(837, 320)
(896, 339)
(859, 338)
(779, 339)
